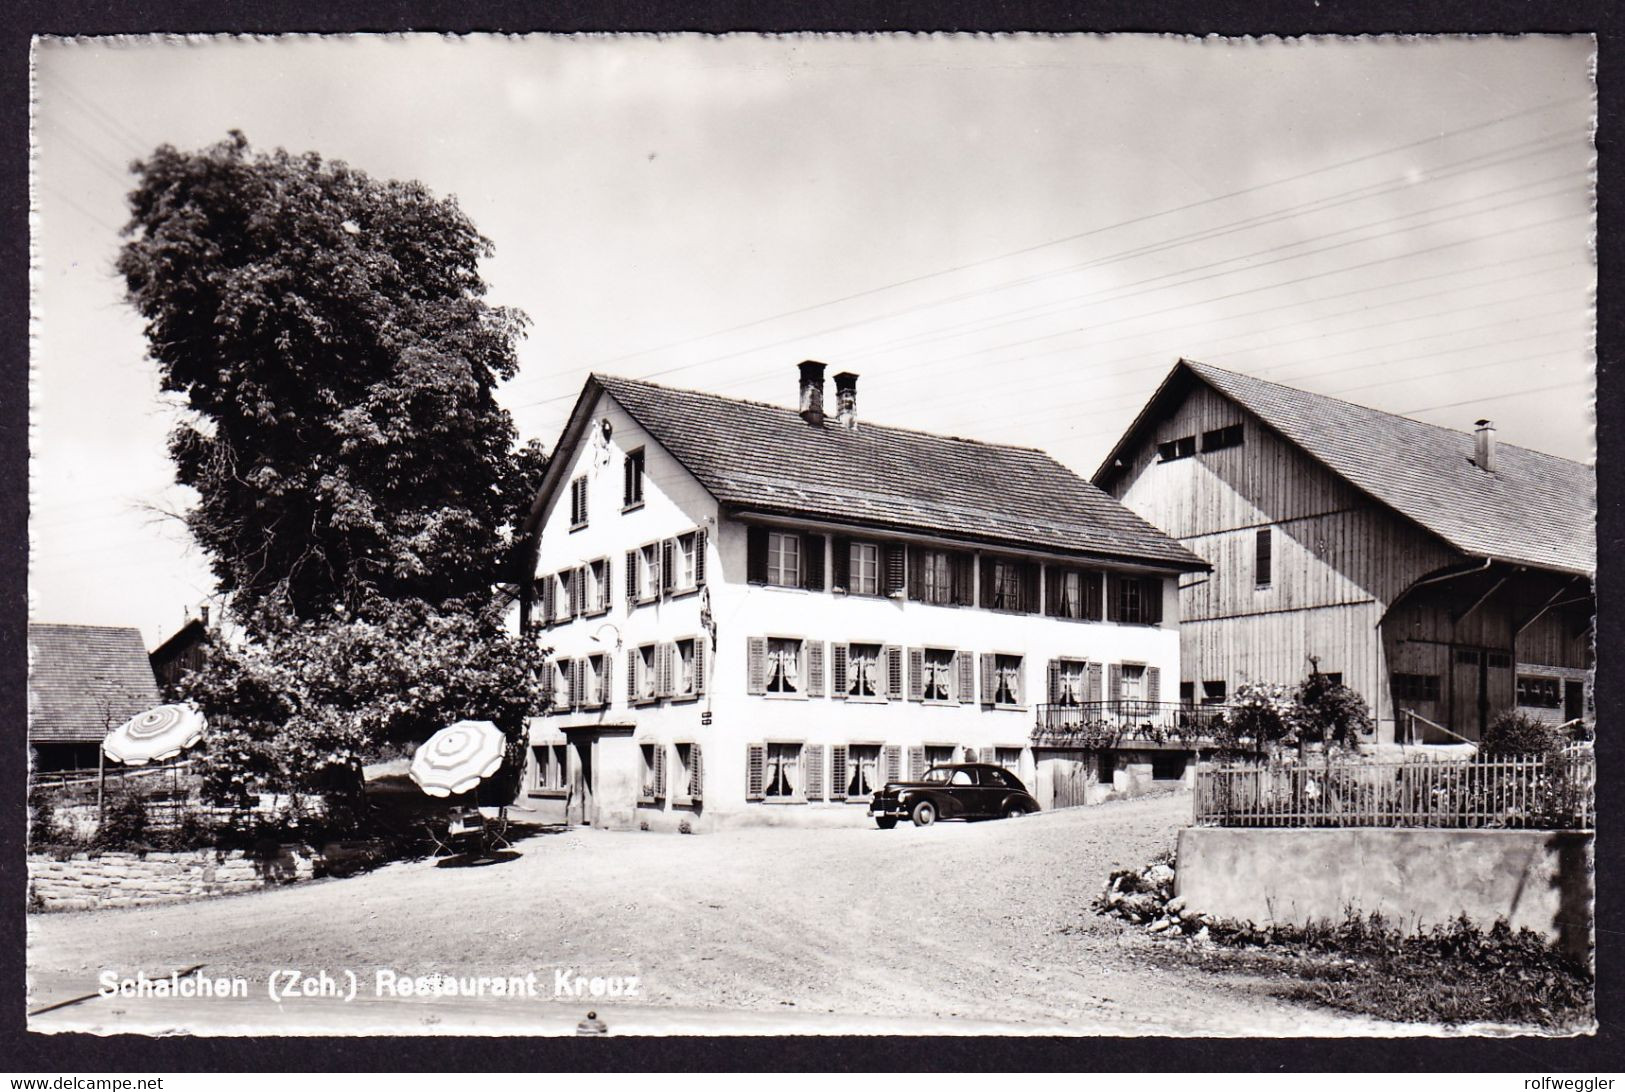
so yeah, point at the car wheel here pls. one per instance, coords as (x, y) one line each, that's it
(886, 823)
(924, 813)
(1014, 811)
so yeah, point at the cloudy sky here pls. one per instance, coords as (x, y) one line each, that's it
(1011, 239)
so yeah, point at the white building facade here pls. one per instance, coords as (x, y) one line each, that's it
(750, 638)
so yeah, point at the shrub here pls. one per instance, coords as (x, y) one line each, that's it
(124, 825)
(1260, 710)
(43, 829)
(1328, 712)
(1516, 733)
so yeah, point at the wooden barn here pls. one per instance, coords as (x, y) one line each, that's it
(1444, 576)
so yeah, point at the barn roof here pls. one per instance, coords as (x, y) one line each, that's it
(766, 458)
(83, 680)
(1534, 509)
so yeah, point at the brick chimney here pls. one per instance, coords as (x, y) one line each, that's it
(812, 392)
(846, 399)
(1484, 445)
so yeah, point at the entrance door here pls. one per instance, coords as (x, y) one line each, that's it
(584, 782)
(1468, 692)
(1574, 699)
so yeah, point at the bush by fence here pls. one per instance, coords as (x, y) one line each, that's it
(1546, 792)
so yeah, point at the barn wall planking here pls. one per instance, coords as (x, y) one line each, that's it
(1276, 647)
(1560, 638)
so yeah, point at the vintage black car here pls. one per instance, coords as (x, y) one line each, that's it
(962, 790)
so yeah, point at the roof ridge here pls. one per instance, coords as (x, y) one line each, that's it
(1200, 365)
(793, 413)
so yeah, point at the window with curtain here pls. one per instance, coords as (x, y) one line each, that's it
(939, 672)
(783, 559)
(1071, 685)
(863, 672)
(1006, 680)
(936, 576)
(685, 668)
(939, 755)
(863, 775)
(592, 682)
(1006, 586)
(644, 682)
(782, 773)
(783, 665)
(1133, 685)
(649, 571)
(863, 572)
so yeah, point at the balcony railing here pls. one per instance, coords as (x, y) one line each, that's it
(1104, 724)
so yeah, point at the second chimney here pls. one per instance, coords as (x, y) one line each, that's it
(1484, 445)
(846, 399)
(812, 392)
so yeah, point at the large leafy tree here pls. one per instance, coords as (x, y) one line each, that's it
(331, 340)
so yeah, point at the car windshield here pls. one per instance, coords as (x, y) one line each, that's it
(938, 776)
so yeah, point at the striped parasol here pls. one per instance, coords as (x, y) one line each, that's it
(155, 735)
(458, 757)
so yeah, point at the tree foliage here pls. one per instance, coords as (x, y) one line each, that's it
(303, 709)
(329, 334)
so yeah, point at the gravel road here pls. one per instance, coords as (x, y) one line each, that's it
(918, 927)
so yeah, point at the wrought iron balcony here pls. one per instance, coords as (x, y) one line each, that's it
(1114, 723)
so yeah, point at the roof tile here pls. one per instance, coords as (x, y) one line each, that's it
(85, 680)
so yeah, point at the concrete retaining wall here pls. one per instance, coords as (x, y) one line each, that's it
(1538, 879)
(82, 882)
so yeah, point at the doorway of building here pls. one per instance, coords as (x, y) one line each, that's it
(1574, 699)
(1480, 683)
(583, 808)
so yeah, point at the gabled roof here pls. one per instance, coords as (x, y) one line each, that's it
(765, 458)
(84, 680)
(1534, 509)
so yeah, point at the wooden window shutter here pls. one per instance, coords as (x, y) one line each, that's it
(756, 555)
(699, 558)
(660, 771)
(837, 771)
(916, 575)
(966, 664)
(840, 563)
(756, 665)
(1114, 684)
(894, 673)
(1029, 587)
(1153, 684)
(1054, 680)
(606, 596)
(578, 684)
(549, 685)
(990, 682)
(812, 562)
(699, 666)
(1092, 608)
(964, 566)
(1094, 682)
(812, 761)
(1151, 595)
(606, 665)
(628, 475)
(916, 674)
(895, 568)
(1053, 578)
(696, 772)
(631, 579)
(1114, 597)
(815, 668)
(837, 669)
(578, 591)
(988, 566)
(633, 658)
(916, 762)
(665, 654)
(666, 568)
(550, 602)
(894, 762)
(755, 770)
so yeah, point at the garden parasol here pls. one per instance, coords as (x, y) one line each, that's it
(155, 735)
(458, 757)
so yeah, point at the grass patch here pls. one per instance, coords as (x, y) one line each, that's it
(1453, 975)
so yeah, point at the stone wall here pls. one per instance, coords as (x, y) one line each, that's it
(1414, 877)
(84, 882)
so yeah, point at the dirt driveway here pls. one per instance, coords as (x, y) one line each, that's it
(954, 926)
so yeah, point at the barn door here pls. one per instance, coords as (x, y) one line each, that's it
(1468, 691)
